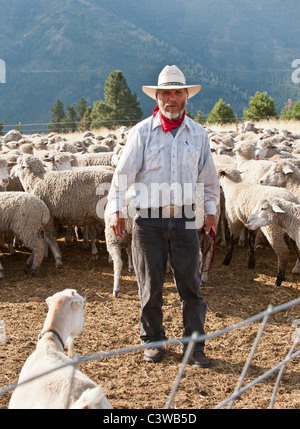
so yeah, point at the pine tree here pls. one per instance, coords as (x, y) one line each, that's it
(120, 107)
(290, 111)
(221, 113)
(260, 107)
(200, 118)
(70, 119)
(81, 107)
(57, 118)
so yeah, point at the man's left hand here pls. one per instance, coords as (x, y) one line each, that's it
(210, 223)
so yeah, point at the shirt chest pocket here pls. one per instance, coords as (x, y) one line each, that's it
(154, 157)
(190, 156)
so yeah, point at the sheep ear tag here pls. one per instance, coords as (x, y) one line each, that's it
(277, 209)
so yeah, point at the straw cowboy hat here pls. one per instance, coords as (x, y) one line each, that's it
(171, 77)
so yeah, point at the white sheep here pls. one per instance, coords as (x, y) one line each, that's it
(12, 136)
(283, 174)
(64, 146)
(252, 170)
(25, 216)
(277, 211)
(4, 180)
(240, 199)
(89, 159)
(59, 161)
(115, 244)
(73, 197)
(249, 126)
(267, 149)
(62, 386)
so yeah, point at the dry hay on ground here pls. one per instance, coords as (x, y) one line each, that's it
(233, 294)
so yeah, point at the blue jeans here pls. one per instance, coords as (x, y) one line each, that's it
(153, 240)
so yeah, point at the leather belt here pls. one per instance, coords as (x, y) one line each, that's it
(167, 211)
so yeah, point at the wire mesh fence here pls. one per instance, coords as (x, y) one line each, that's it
(240, 388)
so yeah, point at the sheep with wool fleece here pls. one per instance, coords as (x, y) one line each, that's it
(89, 159)
(73, 197)
(277, 211)
(273, 210)
(62, 385)
(114, 245)
(267, 149)
(25, 216)
(250, 168)
(283, 174)
(240, 199)
(4, 180)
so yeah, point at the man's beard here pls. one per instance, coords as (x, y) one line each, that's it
(170, 115)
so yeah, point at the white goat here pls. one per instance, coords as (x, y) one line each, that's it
(63, 385)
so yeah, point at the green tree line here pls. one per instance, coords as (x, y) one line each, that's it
(122, 107)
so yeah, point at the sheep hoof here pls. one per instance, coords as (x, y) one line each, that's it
(280, 278)
(95, 257)
(116, 294)
(251, 263)
(31, 273)
(27, 269)
(58, 264)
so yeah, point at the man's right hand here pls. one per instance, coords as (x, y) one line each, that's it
(117, 223)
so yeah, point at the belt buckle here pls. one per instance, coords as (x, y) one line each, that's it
(170, 211)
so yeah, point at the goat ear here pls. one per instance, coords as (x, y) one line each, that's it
(277, 209)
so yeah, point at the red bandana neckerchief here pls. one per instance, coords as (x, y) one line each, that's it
(168, 124)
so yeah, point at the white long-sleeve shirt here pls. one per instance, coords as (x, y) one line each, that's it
(164, 170)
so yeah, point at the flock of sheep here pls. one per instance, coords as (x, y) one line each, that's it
(257, 167)
(69, 182)
(48, 182)
(66, 182)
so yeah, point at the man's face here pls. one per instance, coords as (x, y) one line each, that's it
(172, 102)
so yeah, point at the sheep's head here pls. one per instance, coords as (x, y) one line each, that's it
(230, 173)
(277, 175)
(264, 213)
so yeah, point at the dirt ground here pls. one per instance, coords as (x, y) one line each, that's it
(233, 293)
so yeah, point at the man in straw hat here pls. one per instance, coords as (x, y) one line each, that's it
(165, 158)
